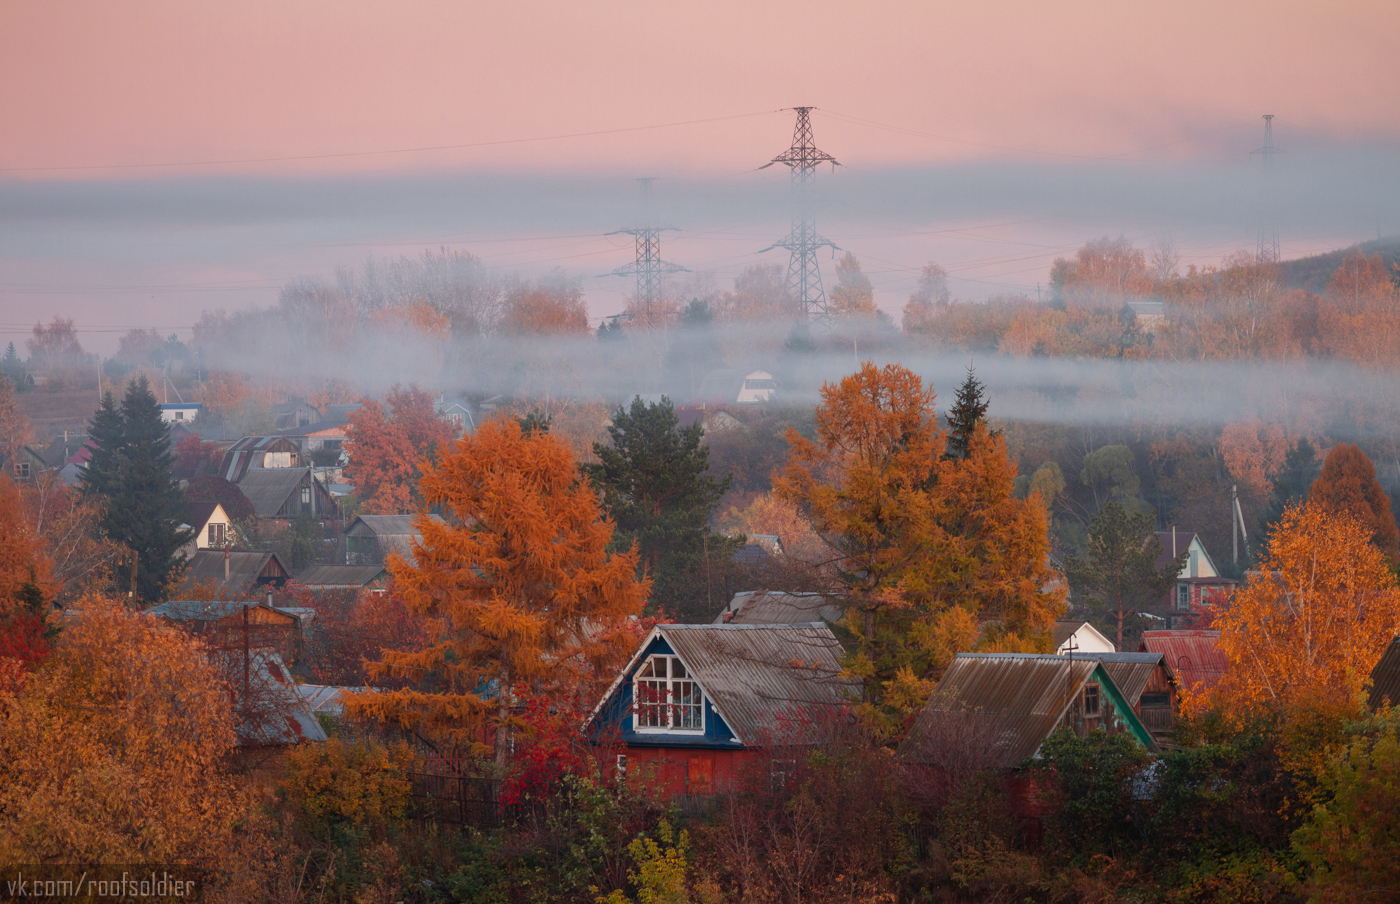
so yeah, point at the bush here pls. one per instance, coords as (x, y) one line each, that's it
(362, 785)
(1093, 808)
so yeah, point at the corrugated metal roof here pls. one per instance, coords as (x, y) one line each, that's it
(387, 525)
(1022, 697)
(759, 678)
(771, 607)
(325, 577)
(278, 714)
(269, 488)
(244, 568)
(1385, 677)
(1132, 671)
(327, 698)
(1194, 656)
(202, 610)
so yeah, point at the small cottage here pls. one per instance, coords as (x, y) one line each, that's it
(235, 572)
(284, 493)
(697, 705)
(211, 526)
(368, 578)
(180, 412)
(370, 538)
(1200, 590)
(1150, 687)
(1014, 701)
(259, 452)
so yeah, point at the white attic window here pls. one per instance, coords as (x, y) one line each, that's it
(666, 698)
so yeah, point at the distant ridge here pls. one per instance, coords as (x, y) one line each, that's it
(1313, 273)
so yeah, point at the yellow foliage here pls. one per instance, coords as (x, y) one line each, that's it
(112, 752)
(362, 783)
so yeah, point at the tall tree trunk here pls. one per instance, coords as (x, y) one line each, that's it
(502, 720)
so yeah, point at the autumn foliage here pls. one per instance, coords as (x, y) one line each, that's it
(388, 445)
(1348, 486)
(516, 588)
(927, 547)
(1313, 620)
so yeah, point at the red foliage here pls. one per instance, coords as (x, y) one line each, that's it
(193, 456)
(387, 446)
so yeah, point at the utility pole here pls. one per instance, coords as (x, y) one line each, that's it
(1268, 246)
(648, 268)
(804, 279)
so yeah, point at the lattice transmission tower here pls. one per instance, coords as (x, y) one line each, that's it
(804, 278)
(1268, 249)
(648, 268)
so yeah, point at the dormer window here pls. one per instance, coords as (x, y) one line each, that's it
(666, 697)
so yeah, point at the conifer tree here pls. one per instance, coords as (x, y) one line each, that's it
(1120, 576)
(1300, 469)
(11, 365)
(656, 485)
(130, 470)
(1348, 486)
(518, 581)
(969, 410)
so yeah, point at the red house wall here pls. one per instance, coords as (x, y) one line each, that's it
(692, 771)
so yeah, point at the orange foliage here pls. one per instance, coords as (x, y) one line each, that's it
(417, 315)
(1104, 273)
(1314, 620)
(767, 514)
(852, 296)
(15, 429)
(516, 587)
(332, 392)
(21, 558)
(225, 392)
(64, 522)
(540, 311)
(1360, 318)
(1348, 487)
(387, 445)
(1253, 451)
(915, 536)
(760, 293)
(113, 750)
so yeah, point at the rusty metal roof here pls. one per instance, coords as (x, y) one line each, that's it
(764, 680)
(1385, 677)
(244, 568)
(771, 607)
(1132, 671)
(1195, 656)
(1022, 697)
(331, 577)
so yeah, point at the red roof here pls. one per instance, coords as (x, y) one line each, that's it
(1195, 656)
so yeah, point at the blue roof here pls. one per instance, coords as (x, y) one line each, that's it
(181, 404)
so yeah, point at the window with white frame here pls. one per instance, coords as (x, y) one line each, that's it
(666, 697)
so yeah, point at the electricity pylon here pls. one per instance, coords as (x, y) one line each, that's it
(648, 268)
(804, 279)
(1268, 249)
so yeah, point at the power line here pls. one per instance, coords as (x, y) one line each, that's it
(648, 268)
(1267, 247)
(415, 150)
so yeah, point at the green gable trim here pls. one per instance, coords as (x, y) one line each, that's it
(1123, 711)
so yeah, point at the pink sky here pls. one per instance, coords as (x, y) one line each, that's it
(101, 91)
(85, 84)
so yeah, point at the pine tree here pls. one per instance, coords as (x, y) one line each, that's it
(694, 352)
(130, 470)
(969, 410)
(657, 487)
(11, 365)
(1300, 469)
(1120, 577)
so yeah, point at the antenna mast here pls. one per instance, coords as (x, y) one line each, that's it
(804, 279)
(648, 268)
(1268, 247)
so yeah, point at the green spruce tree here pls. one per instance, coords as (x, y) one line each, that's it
(1119, 578)
(130, 470)
(969, 410)
(656, 485)
(1300, 468)
(11, 365)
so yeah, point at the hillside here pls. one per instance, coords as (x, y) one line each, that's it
(1312, 273)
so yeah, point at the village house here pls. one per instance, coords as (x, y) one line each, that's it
(1385, 678)
(358, 578)
(458, 414)
(1080, 637)
(700, 705)
(330, 431)
(258, 452)
(370, 538)
(281, 494)
(1011, 702)
(1150, 687)
(293, 415)
(759, 386)
(180, 412)
(1194, 657)
(211, 525)
(1200, 591)
(25, 464)
(235, 572)
(772, 607)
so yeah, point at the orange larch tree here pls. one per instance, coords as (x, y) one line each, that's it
(926, 547)
(388, 445)
(516, 588)
(1314, 620)
(1348, 486)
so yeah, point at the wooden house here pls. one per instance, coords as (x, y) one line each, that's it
(236, 572)
(1014, 701)
(1385, 678)
(1150, 687)
(25, 464)
(259, 452)
(369, 538)
(698, 706)
(294, 415)
(359, 578)
(1194, 657)
(211, 525)
(1200, 589)
(284, 493)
